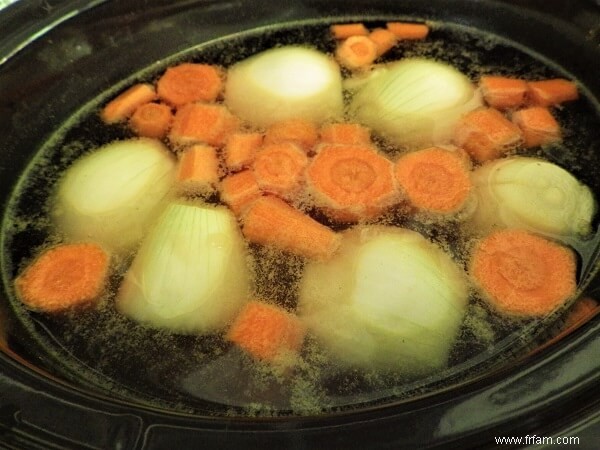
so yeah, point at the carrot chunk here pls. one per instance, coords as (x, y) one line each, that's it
(189, 83)
(239, 190)
(123, 105)
(523, 274)
(346, 30)
(552, 92)
(351, 182)
(384, 40)
(345, 133)
(198, 169)
(300, 131)
(267, 331)
(356, 52)
(202, 123)
(583, 309)
(503, 92)
(537, 125)
(435, 179)
(412, 31)
(240, 150)
(271, 221)
(279, 168)
(486, 134)
(65, 276)
(152, 120)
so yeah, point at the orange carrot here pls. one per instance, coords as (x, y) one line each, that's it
(346, 30)
(271, 221)
(523, 274)
(152, 120)
(123, 106)
(198, 169)
(202, 123)
(356, 52)
(351, 182)
(486, 134)
(239, 190)
(300, 131)
(65, 276)
(412, 31)
(267, 331)
(503, 92)
(189, 83)
(384, 40)
(537, 125)
(279, 168)
(435, 179)
(345, 133)
(582, 310)
(551, 92)
(240, 150)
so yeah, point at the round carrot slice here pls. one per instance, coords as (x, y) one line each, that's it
(279, 168)
(435, 179)
(523, 274)
(187, 83)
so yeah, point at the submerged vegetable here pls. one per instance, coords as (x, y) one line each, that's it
(389, 299)
(111, 195)
(531, 193)
(190, 274)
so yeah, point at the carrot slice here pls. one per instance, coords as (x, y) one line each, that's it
(524, 274)
(412, 31)
(65, 276)
(356, 52)
(152, 120)
(435, 179)
(351, 182)
(202, 123)
(271, 221)
(198, 169)
(123, 105)
(189, 83)
(240, 150)
(345, 133)
(279, 168)
(300, 131)
(583, 309)
(537, 125)
(486, 134)
(267, 331)
(384, 40)
(346, 30)
(503, 92)
(239, 190)
(552, 92)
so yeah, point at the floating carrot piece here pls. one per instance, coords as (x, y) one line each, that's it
(346, 30)
(271, 221)
(552, 92)
(412, 31)
(351, 182)
(583, 309)
(503, 92)
(202, 123)
(63, 277)
(537, 125)
(267, 331)
(240, 150)
(279, 168)
(189, 83)
(384, 40)
(345, 133)
(524, 274)
(356, 52)
(435, 179)
(300, 131)
(239, 190)
(486, 134)
(123, 105)
(152, 120)
(198, 169)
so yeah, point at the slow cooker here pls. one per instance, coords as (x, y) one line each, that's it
(56, 56)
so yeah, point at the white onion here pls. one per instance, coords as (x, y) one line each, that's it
(531, 193)
(285, 83)
(390, 299)
(112, 194)
(414, 102)
(190, 274)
